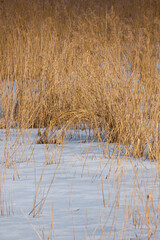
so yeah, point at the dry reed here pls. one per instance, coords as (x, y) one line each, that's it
(83, 64)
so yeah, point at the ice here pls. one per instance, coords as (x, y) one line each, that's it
(89, 195)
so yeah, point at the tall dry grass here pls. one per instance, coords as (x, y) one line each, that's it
(83, 64)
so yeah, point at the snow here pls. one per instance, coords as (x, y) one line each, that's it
(80, 192)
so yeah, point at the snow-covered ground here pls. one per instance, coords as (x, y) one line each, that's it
(81, 190)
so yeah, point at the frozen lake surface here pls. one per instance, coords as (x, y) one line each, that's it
(80, 190)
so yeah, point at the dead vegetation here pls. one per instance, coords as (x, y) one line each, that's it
(83, 63)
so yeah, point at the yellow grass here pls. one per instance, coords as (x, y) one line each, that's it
(83, 63)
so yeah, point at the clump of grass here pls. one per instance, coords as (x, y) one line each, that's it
(60, 59)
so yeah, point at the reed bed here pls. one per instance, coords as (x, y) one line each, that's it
(83, 64)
